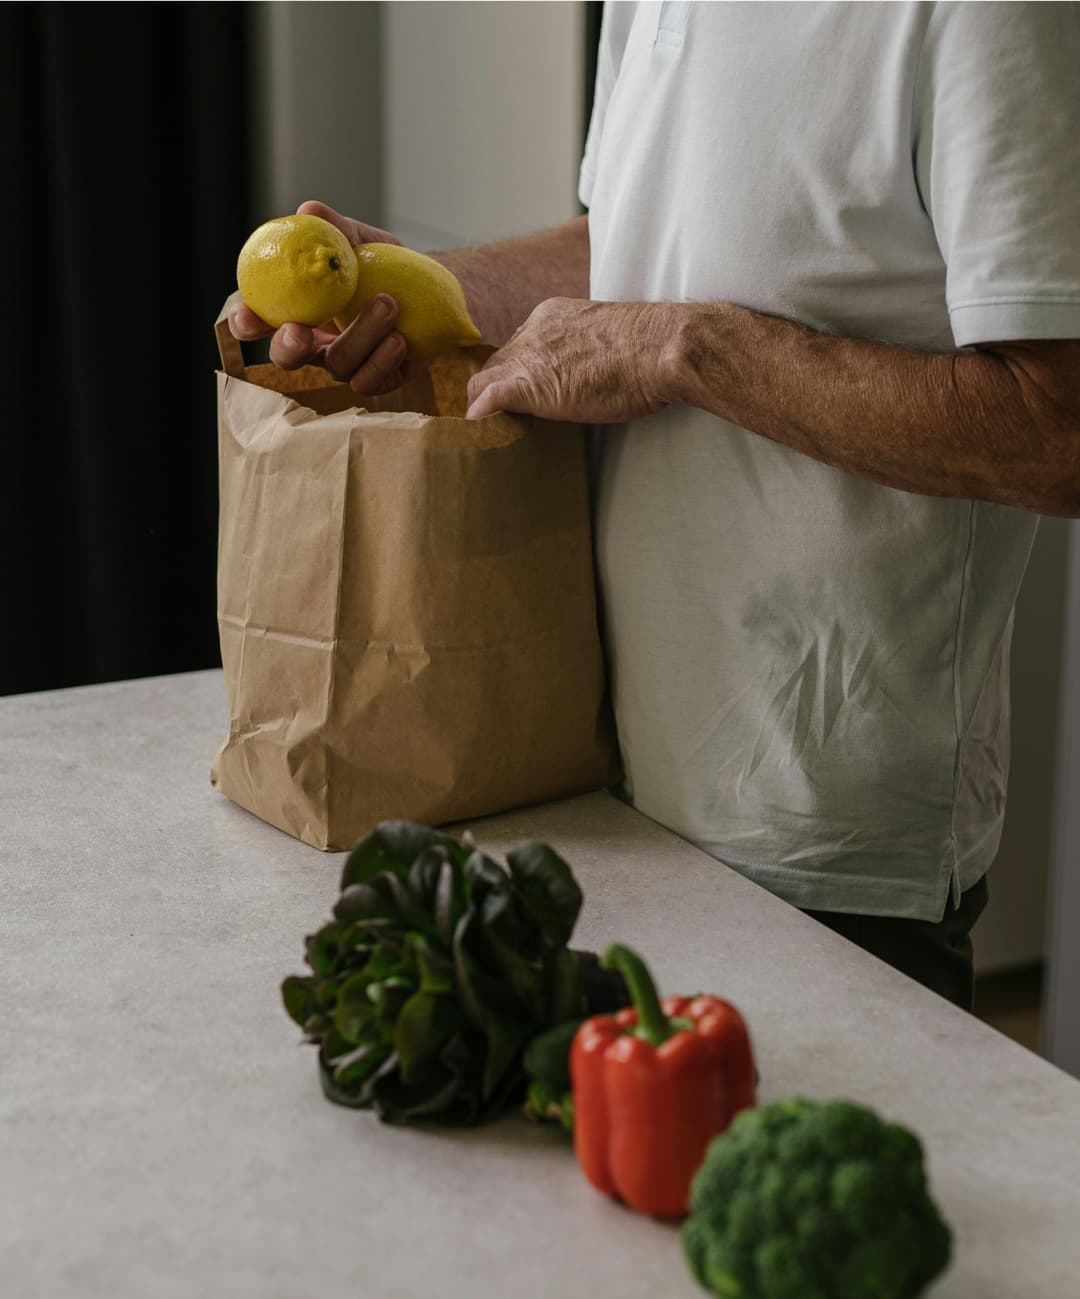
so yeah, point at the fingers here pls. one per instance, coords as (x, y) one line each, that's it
(488, 393)
(383, 370)
(368, 353)
(245, 325)
(355, 231)
(294, 345)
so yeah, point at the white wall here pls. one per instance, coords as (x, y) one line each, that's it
(483, 126)
(316, 71)
(448, 123)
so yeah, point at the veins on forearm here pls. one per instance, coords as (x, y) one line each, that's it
(963, 424)
(503, 282)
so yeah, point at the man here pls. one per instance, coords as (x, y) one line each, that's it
(826, 304)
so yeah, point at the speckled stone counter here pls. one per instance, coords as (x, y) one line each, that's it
(162, 1132)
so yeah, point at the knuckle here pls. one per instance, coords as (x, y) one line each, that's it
(376, 383)
(390, 352)
(378, 373)
(337, 366)
(380, 313)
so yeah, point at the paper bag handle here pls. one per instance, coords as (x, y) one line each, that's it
(229, 349)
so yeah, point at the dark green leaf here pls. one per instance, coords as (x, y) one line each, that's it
(423, 1026)
(491, 1007)
(387, 937)
(546, 1104)
(317, 1026)
(448, 907)
(547, 1057)
(323, 948)
(326, 995)
(385, 961)
(508, 1089)
(398, 981)
(354, 1015)
(388, 997)
(357, 946)
(548, 890)
(525, 977)
(465, 969)
(393, 846)
(501, 918)
(605, 990)
(334, 1046)
(359, 902)
(358, 1064)
(565, 989)
(297, 992)
(447, 1091)
(436, 970)
(482, 875)
(356, 1094)
(424, 875)
(506, 1038)
(407, 907)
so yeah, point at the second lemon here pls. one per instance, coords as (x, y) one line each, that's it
(432, 313)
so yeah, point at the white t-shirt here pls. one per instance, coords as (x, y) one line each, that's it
(810, 671)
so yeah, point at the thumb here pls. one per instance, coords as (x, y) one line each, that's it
(356, 232)
(500, 394)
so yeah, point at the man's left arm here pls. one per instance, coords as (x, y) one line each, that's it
(1000, 423)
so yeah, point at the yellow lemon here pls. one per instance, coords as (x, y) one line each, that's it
(432, 313)
(296, 268)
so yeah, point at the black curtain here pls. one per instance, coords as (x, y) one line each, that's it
(125, 179)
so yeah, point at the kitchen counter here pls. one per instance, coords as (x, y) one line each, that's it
(162, 1130)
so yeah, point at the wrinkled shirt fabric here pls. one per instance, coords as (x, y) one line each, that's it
(809, 670)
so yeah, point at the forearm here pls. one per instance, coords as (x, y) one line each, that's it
(976, 425)
(504, 282)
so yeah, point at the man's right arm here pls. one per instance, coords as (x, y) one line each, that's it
(504, 282)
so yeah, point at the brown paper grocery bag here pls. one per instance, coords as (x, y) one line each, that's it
(405, 602)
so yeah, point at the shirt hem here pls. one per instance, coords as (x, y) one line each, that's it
(811, 889)
(819, 891)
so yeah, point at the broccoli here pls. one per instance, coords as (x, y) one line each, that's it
(804, 1199)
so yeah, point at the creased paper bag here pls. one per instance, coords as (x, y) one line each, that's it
(405, 602)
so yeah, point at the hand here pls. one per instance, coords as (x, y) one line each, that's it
(369, 355)
(587, 362)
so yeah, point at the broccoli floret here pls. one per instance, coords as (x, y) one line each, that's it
(810, 1199)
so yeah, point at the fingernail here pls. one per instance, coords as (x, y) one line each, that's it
(289, 338)
(381, 308)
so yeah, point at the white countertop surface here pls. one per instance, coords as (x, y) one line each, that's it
(163, 1133)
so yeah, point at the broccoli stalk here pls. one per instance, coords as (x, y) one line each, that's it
(814, 1200)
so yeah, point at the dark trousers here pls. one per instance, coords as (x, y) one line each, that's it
(936, 955)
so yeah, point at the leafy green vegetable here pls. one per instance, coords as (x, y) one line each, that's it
(814, 1200)
(438, 968)
(550, 1097)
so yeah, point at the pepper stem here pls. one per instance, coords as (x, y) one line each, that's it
(653, 1025)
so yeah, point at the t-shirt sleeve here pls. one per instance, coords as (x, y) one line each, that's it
(614, 27)
(997, 159)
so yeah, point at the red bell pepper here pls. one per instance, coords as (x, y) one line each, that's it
(653, 1085)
